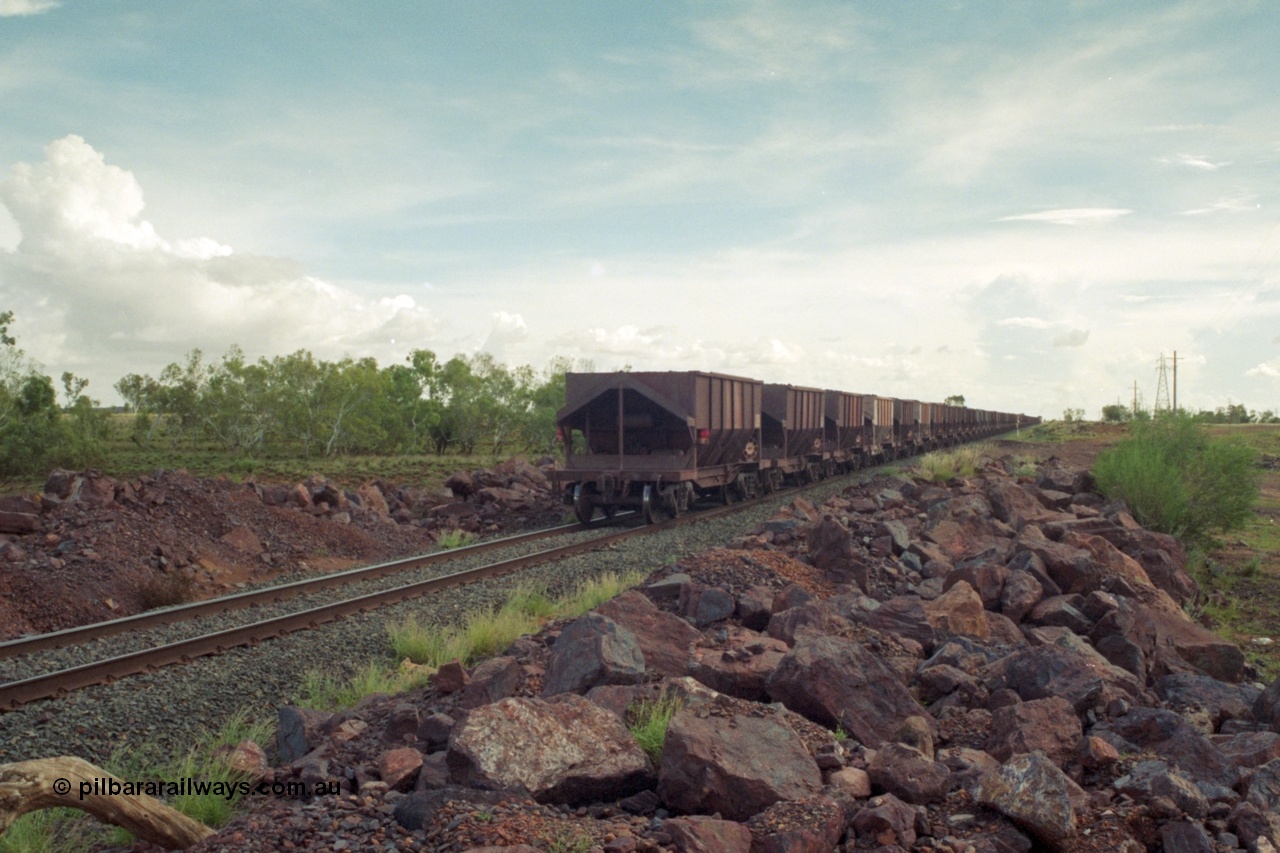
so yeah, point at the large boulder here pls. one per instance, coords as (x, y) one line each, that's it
(737, 765)
(664, 638)
(707, 835)
(839, 683)
(1266, 708)
(958, 612)
(563, 750)
(830, 546)
(1085, 679)
(493, 679)
(1032, 791)
(1149, 779)
(885, 822)
(1016, 505)
(590, 651)
(1114, 562)
(905, 616)
(1191, 691)
(1263, 788)
(1169, 736)
(1071, 569)
(740, 666)
(1169, 641)
(812, 825)
(987, 579)
(1049, 725)
(814, 618)
(1020, 593)
(906, 773)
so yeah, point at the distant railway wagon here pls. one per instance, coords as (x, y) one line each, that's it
(906, 426)
(657, 441)
(844, 435)
(792, 434)
(928, 435)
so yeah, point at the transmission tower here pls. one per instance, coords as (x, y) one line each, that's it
(1162, 387)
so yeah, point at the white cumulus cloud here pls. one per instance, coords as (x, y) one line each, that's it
(98, 291)
(12, 8)
(1266, 368)
(504, 331)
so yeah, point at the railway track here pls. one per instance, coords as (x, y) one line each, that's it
(47, 685)
(19, 692)
(264, 595)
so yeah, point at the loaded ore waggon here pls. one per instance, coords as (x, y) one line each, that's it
(658, 441)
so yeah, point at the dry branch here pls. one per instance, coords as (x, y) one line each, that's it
(28, 786)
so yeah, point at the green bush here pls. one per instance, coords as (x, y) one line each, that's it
(1179, 480)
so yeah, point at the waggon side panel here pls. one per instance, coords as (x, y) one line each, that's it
(669, 422)
(792, 424)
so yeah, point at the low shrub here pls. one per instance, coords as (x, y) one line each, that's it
(167, 591)
(1179, 480)
(943, 465)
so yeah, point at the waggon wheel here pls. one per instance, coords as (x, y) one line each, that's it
(651, 504)
(583, 507)
(673, 504)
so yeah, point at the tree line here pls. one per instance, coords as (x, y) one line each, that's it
(290, 405)
(300, 404)
(35, 430)
(1232, 413)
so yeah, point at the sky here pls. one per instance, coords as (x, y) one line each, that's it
(1026, 204)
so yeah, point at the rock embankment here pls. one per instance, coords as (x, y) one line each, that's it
(993, 665)
(91, 547)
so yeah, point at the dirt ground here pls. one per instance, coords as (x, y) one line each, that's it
(122, 547)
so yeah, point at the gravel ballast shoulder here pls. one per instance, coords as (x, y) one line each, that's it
(160, 714)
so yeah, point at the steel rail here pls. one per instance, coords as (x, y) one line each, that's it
(49, 685)
(264, 595)
(17, 693)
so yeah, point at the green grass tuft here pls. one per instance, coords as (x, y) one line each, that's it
(648, 722)
(487, 632)
(332, 693)
(455, 538)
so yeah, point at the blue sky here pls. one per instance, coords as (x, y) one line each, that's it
(1022, 203)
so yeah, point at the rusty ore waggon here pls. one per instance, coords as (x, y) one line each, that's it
(657, 441)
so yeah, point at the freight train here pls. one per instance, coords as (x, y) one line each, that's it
(658, 441)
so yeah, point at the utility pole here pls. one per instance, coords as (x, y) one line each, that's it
(1175, 382)
(1135, 399)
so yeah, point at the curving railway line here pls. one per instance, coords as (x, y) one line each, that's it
(46, 685)
(33, 684)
